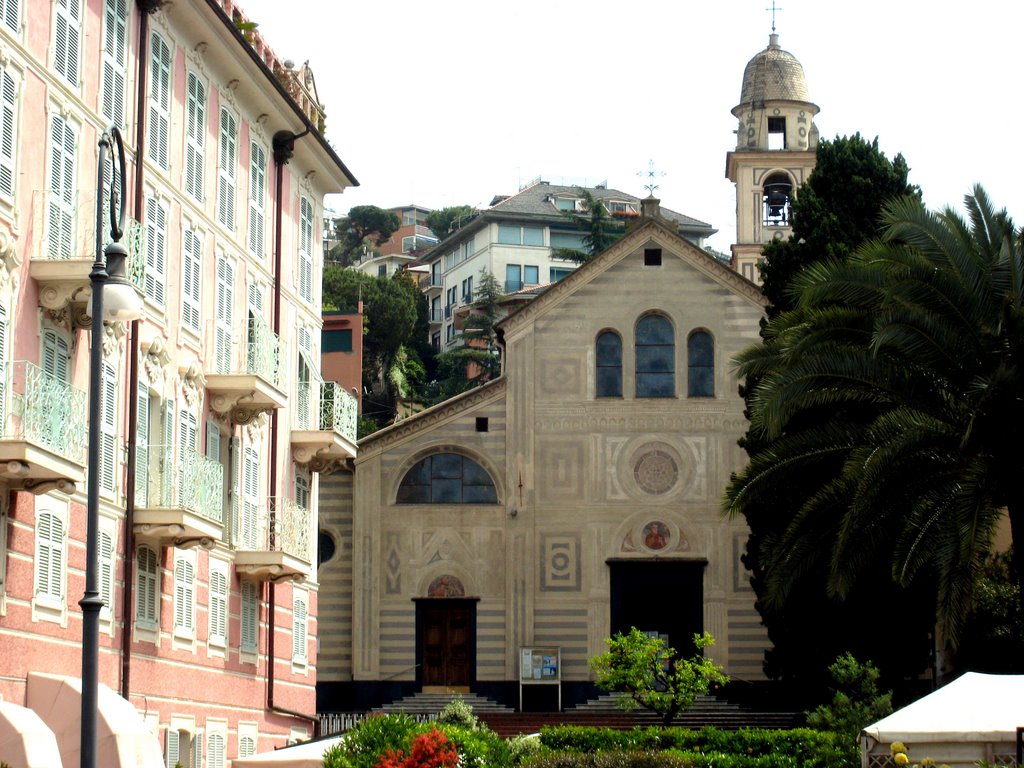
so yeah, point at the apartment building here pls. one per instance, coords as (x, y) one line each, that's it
(215, 421)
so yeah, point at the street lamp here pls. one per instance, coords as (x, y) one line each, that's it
(109, 281)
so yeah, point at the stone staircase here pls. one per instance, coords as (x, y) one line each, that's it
(602, 712)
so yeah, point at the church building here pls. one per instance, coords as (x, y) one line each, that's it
(493, 542)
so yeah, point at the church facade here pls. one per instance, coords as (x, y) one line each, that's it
(574, 496)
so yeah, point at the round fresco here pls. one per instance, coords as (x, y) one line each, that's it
(656, 472)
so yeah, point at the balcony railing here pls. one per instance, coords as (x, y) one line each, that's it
(182, 479)
(43, 410)
(338, 410)
(273, 541)
(245, 376)
(448, 311)
(436, 315)
(326, 432)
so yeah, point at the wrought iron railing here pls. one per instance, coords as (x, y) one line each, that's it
(258, 353)
(44, 410)
(338, 410)
(182, 478)
(280, 526)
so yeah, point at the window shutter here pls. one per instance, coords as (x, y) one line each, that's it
(62, 188)
(8, 97)
(235, 448)
(299, 630)
(250, 614)
(44, 553)
(246, 746)
(146, 594)
(191, 295)
(257, 196)
(115, 22)
(106, 570)
(227, 163)
(223, 337)
(160, 102)
(184, 596)
(215, 751)
(9, 15)
(108, 430)
(156, 249)
(212, 440)
(218, 607)
(197, 750)
(4, 370)
(250, 498)
(187, 434)
(142, 446)
(302, 491)
(305, 249)
(172, 738)
(56, 356)
(195, 137)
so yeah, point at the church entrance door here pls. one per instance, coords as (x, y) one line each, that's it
(446, 641)
(663, 598)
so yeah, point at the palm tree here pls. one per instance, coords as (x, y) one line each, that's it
(892, 402)
(602, 229)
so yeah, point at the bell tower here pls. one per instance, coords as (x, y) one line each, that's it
(775, 151)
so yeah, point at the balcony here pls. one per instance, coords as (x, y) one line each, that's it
(179, 497)
(246, 380)
(436, 316)
(65, 249)
(273, 542)
(326, 434)
(45, 440)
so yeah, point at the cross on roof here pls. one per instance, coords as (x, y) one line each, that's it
(773, 9)
(650, 173)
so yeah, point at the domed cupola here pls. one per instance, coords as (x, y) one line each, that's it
(775, 109)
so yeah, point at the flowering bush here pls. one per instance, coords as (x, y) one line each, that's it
(427, 750)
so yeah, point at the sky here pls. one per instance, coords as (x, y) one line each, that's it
(452, 102)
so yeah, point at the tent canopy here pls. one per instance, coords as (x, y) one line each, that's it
(309, 754)
(974, 707)
(25, 740)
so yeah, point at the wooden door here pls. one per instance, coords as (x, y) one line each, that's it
(446, 642)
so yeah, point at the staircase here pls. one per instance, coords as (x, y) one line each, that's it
(601, 712)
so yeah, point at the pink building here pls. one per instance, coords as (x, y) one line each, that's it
(216, 419)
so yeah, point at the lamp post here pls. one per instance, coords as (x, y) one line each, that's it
(109, 281)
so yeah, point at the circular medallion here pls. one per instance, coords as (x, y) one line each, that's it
(656, 472)
(656, 535)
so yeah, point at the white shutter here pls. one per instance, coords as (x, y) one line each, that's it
(8, 98)
(250, 498)
(143, 460)
(173, 747)
(9, 15)
(191, 295)
(146, 591)
(108, 429)
(215, 750)
(218, 608)
(56, 356)
(156, 249)
(49, 556)
(62, 188)
(235, 449)
(246, 746)
(227, 169)
(197, 750)
(67, 40)
(159, 102)
(114, 64)
(250, 616)
(299, 630)
(304, 383)
(212, 440)
(195, 134)
(223, 334)
(257, 198)
(4, 369)
(184, 597)
(302, 491)
(187, 433)
(305, 249)
(106, 570)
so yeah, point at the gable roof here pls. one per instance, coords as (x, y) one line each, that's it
(652, 228)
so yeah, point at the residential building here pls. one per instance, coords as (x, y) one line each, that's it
(518, 240)
(575, 495)
(775, 152)
(214, 416)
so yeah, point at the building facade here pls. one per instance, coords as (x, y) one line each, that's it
(775, 152)
(574, 496)
(215, 421)
(518, 239)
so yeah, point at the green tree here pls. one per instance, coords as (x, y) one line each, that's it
(993, 638)
(444, 221)
(856, 699)
(600, 227)
(652, 674)
(478, 358)
(836, 209)
(364, 224)
(890, 397)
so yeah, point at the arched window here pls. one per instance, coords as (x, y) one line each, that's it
(447, 478)
(655, 357)
(700, 360)
(609, 364)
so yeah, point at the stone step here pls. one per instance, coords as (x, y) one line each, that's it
(421, 703)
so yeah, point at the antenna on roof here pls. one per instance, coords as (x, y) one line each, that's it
(773, 9)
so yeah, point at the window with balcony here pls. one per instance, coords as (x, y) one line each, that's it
(184, 598)
(147, 588)
(250, 534)
(257, 200)
(514, 234)
(305, 249)
(56, 356)
(114, 65)
(61, 208)
(447, 478)
(156, 249)
(655, 357)
(159, 120)
(8, 122)
(609, 364)
(67, 40)
(249, 617)
(192, 280)
(302, 491)
(227, 168)
(195, 136)
(700, 357)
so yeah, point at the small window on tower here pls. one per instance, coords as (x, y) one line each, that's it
(776, 133)
(652, 257)
(481, 424)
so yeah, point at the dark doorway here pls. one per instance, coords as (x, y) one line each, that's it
(446, 641)
(662, 597)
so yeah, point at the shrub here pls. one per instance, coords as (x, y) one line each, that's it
(427, 750)
(364, 744)
(522, 748)
(478, 747)
(613, 759)
(457, 712)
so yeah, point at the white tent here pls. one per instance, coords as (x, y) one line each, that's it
(25, 740)
(309, 754)
(975, 717)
